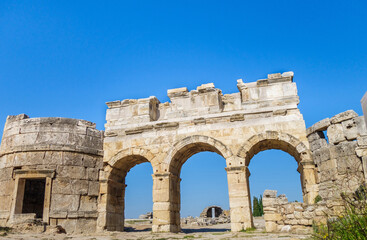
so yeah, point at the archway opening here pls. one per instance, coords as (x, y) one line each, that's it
(138, 198)
(201, 168)
(274, 164)
(203, 184)
(275, 170)
(212, 212)
(125, 171)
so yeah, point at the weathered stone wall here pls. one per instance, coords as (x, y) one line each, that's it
(341, 160)
(283, 216)
(339, 157)
(68, 153)
(262, 115)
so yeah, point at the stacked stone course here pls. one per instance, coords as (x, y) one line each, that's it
(296, 217)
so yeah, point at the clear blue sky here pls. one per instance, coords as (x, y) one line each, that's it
(67, 58)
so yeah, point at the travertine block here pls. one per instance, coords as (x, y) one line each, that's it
(343, 116)
(343, 149)
(317, 144)
(272, 217)
(88, 203)
(270, 194)
(79, 187)
(321, 125)
(315, 136)
(361, 125)
(350, 129)
(335, 134)
(62, 202)
(73, 172)
(320, 155)
(93, 188)
(362, 141)
(270, 226)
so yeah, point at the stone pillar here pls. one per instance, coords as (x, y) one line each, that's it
(111, 203)
(364, 107)
(166, 203)
(18, 196)
(239, 198)
(309, 182)
(271, 214)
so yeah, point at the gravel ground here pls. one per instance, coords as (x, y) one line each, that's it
(142, 230)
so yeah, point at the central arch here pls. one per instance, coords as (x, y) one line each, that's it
(166, 184)
(187, 147)
(166, 210)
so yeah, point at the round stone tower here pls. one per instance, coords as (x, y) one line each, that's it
(49, 171)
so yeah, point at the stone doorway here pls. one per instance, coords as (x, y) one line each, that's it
(34, 196)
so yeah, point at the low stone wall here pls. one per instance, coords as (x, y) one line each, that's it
(296, 217)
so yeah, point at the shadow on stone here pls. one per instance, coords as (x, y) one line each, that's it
(131, 229)
(193, 230)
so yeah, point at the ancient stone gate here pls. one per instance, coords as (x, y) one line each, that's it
(262, 115)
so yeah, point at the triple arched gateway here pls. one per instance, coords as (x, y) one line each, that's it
(262, 115)
(65, 172)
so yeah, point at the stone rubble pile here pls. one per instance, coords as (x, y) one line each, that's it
(148, 215)
(205, 221)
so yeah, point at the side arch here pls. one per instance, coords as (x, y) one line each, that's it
(275, 140)
(187, 147)
(128, 158)
(111, 206)
(293, 146)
